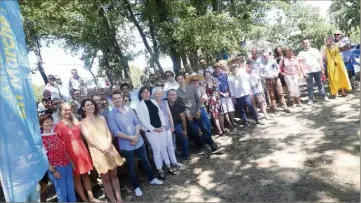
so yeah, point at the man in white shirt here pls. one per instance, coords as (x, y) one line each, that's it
(256, 62)
(240, 89)
(171, 83)
(63, 91)
(312, 64)
(75, 82)
(344, 45)
(52, 87)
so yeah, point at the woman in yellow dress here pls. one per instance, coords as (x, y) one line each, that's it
(105, 157)
(336, 70)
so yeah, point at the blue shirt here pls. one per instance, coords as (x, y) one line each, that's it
(124, 122)
(346, 55)
(222, 81)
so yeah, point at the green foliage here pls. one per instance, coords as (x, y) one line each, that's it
(135, 74)
(38, 92)
(346, 14)
(295, 22)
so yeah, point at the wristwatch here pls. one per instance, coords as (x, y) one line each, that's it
(53, 171)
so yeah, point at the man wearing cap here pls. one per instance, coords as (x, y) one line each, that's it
(344, 45)
(223, 89)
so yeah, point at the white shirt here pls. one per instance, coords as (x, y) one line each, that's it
(209, 69)
(346, 55)
(239, 85)
(53, 91)
(64, 93)
(170, 85)
(75, 84)
(255, 81)
(310, 60)
(269, 70)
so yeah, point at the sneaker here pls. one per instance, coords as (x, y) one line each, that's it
(155, 181)
(287, 110)
(310, 102)
(299, 105)
(217, 150)
(326, 99)
(259, 123)
(200, 151)
(138, 192)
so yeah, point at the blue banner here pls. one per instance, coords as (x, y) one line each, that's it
(23, 161)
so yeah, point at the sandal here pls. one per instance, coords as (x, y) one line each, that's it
(162, 175)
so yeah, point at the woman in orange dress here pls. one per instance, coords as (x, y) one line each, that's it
(105, 157)
(69, 131)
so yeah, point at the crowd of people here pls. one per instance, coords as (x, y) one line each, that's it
(166, 119)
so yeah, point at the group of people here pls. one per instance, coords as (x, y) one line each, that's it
(99, 132)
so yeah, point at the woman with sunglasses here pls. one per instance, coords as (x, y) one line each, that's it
(60, 168)
(153, 124)
(171, 83)
(336, 70)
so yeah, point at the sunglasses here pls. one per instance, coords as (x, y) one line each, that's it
(169, 75)
(52, 79)
(195, 80)
(56, 104)
(337, 34)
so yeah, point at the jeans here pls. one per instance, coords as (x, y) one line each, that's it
(246, 101)
(178, 131)
(130, 158)
(64, 186)
(205, 125)
(317, 77)
(158, 143)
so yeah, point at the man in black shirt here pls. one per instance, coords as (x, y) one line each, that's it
(179, 119)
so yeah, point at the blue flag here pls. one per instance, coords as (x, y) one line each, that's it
(23, 161)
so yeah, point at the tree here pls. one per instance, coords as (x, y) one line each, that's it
(295, 22)
(345, 14)
(38, 92)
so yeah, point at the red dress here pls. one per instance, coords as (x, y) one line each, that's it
(75, 147)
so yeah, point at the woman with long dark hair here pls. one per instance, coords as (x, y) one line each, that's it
(153, 124)
(69, 131)
(104, 155)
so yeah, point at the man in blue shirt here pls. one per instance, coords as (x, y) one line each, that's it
(125, 126)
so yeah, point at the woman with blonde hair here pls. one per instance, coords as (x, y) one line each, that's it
(105, 157)
(290, 69)
(336, 70)
(69, 131)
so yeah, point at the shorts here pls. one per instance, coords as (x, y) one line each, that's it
(227, 105)
(259, 100)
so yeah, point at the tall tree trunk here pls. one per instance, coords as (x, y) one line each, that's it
(142, 34)
(39, 58)
(215, 6)
(90, 69)
(193, 60)
(184, 60)
(176, 61)
(107, 66)
(113, 41)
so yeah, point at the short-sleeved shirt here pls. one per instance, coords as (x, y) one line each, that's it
(256, 64)
(55, 149)
(269, 69)
(184, 99)
(126, 123)
(310, 60)
(290, 66)
(176, 109)
(222, 81)
(346, 55)
(194, 95)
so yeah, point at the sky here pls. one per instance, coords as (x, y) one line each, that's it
(58, 62)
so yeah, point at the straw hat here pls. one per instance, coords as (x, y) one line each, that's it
(194, 76)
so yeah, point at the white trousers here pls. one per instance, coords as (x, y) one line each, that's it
(158, 142)
(170, 147)
(293, 85)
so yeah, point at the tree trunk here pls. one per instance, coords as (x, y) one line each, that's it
(184, 60)
(142, 34)
(39, 58)
(107, 66)
(215, 6)
(193, 60)
(176, 61)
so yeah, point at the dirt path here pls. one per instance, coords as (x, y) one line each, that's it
(309, 155)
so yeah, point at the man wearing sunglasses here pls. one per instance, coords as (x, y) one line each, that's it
(344, 45)
(52, 87)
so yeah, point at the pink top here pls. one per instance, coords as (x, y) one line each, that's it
(290, 66)
(55, 149)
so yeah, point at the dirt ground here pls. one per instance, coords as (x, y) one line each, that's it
(311, 154)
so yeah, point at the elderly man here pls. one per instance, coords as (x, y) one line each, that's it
(75, 82)
(204, 67)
